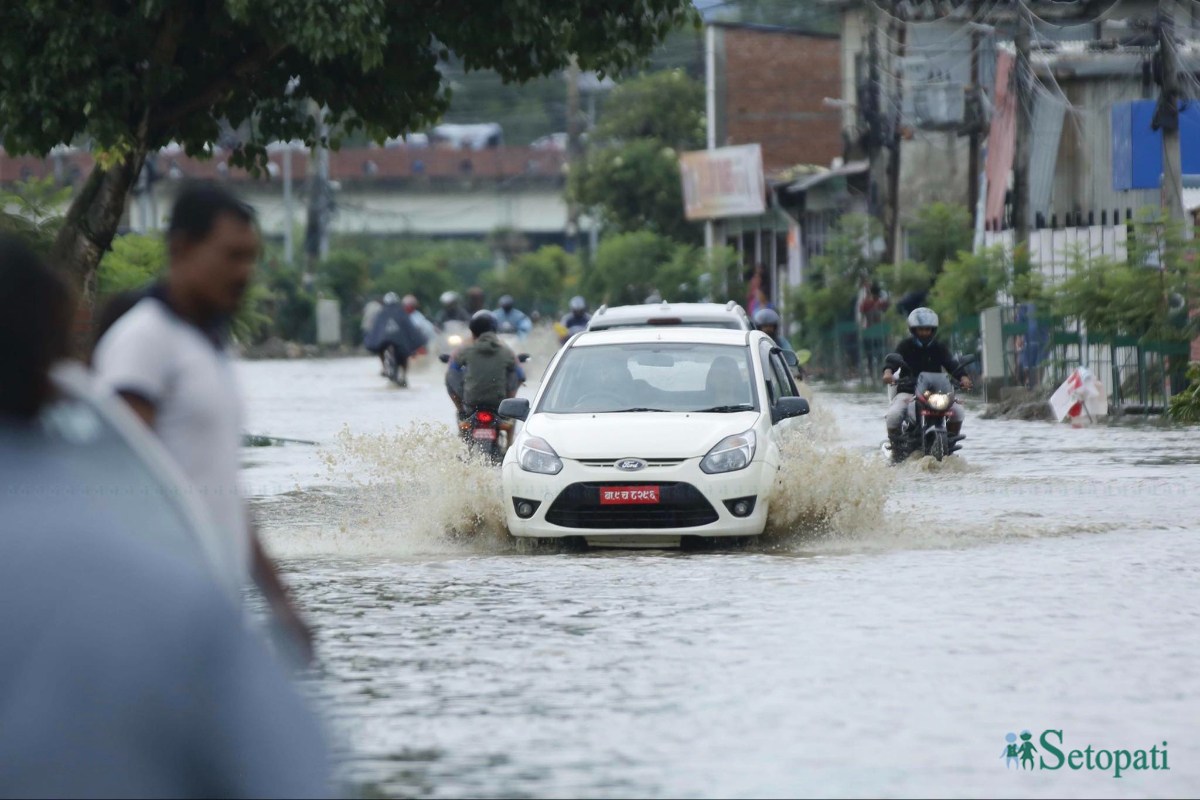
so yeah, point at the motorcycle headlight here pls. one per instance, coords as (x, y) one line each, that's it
(536, 455)
(730, 454)
(454, 340)
(939, 401)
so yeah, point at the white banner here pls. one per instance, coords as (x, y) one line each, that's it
(726, 182)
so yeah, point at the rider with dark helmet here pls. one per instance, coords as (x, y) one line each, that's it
(578, 318)
(922, 352)
(767, 321)
(484, 372)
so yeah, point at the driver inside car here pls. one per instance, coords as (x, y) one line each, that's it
(725, 385)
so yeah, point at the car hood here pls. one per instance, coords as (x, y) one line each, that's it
(646, 434)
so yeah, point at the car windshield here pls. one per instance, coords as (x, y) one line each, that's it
(650, 377)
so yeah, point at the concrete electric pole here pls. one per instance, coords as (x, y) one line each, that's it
(1166, 116)
(1024, 77)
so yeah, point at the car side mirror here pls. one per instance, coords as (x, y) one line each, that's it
(790, 358)
(788, 407)
(514, 408)
(444, 358)
(523, 357)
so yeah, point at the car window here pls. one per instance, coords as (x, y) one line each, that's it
(651, 376)
(783, 376)
(764, 353)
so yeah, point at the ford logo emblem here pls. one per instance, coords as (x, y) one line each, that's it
(631, 464)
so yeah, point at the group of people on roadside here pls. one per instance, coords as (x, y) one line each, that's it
(130, 665)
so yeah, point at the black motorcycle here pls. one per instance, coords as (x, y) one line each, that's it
(924, 428)
(483, 430)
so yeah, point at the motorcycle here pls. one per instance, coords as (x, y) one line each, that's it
(482, 430)
(454, 334)
(924, 428)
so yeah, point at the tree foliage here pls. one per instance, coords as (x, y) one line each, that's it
(970, 283)
(629, 267)
(827, 295)
(538, 281)
(631, 176)
(133, 77)
(939, 233)
(135, 261)
(32, 210)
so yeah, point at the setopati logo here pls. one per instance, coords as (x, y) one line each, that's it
(1051, 753)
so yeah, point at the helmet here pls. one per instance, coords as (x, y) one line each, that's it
(390, 298)
(578, 304)
(506, 302)
(482, 322)
(410, 302)
(922, 318)
(766, 316)
(449, 298)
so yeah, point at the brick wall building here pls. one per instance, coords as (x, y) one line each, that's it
(771, 86)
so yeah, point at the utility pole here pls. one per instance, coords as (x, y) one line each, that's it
(289, 246)
(1167, 114)
(574, 148)
(320, 202)
(710, 118)
(1024, 77)
(892, 213)
(973, 166)
(877, 172)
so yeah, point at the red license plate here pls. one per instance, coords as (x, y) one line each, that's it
(629, 495)
(484, 434)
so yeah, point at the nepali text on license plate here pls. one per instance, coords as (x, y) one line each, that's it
(628, 495)
(484, 434)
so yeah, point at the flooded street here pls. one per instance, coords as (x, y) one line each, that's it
(883, 640)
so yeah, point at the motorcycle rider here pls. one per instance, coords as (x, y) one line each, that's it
(922, 353)
(475, 300)
(393, 331)
(767, 321)
(412, 307)
(578, 318)
(451, 310)
(509, 314)
(484, 372)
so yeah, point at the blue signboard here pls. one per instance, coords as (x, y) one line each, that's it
(1137, 149)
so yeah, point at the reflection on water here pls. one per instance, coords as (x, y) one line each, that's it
(894, 625)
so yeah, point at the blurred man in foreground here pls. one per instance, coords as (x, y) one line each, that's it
(167, 358)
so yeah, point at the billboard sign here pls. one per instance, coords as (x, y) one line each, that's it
(726, 182)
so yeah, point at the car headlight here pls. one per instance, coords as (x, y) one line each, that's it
(454, 340)
(939, 401)
(730, 454)
(536, 455)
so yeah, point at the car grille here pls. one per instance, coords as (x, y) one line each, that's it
(682, 506)
(650, 462)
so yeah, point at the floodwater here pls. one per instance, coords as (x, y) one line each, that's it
(883, 640)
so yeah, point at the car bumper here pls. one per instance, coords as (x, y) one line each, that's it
(609, 528)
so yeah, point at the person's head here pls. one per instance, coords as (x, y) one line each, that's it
(506, 302)
(767, 321)
(214, 243)
(391, 298)
(578, 305)
(474, 299)
(923, 325)
(482, 322)
(410, 303)
(449, 299)
(36, 312)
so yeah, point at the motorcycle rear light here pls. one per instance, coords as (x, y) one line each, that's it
(525, 508)
(485, 417)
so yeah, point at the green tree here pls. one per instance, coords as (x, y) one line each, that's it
(424, 277)
(37, 211)
(626, 267)
(631, 174)
(970, 283)
(133, 262)
(134, 77)
(344, 275)
(940, 232)
(827, 296)
(1185, 405)
(538, 281)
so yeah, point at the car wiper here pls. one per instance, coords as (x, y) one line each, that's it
(725, 409)
(629, 410)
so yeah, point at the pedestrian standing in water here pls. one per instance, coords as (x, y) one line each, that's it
(125, 670)
(167, 357)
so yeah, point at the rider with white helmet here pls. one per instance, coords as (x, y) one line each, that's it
(451, 310)
(922, 352)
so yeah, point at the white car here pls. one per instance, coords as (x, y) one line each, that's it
(688, 315)
(642, 436)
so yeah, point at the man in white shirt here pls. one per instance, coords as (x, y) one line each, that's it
(166, 357)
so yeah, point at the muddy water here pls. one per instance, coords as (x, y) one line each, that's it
(894, 626)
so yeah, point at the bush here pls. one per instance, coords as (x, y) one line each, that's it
(538, 281)
(940, 232)
(1185, 406)
(969, 284)
(133, 262)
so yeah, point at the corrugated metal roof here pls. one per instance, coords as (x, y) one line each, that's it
(810, 181)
